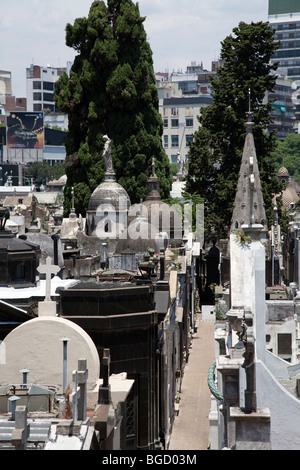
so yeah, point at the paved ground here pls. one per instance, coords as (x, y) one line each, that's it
(191, 426)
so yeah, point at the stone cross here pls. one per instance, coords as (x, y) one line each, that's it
(22, 429)
(82, 376)
(104, 389)
(75, 395)
(48, 269)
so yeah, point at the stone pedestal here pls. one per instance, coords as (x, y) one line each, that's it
(249, 431)
(47, 308)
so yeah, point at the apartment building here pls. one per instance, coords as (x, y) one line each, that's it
(40, 86)
(181, 97)
(284, 18)
(180, 119)
(283, 108)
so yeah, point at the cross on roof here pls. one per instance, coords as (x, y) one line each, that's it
(75, 395)
(48, 269)
(82, 376)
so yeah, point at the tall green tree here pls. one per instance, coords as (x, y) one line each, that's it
(111, 91)
(216, 151)
(287, 154)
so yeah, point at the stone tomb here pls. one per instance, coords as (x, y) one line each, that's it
(37, 345)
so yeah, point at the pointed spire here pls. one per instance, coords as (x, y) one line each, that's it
(249, 210)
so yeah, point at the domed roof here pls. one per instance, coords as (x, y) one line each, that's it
(289, 195)
(110, 193)
(159, 214)
(283, 172)
(138, 237)
(63, 179)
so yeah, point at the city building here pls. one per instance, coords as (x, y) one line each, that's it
(40, 86)
(283, 107)
(180, 120)
(284, 18)
(8, 102)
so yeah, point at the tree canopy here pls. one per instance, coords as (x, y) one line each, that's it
(287, 154)
(111, 91)
(41, 172)
(216, 151)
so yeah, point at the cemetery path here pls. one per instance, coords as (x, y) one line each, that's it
(191, 426)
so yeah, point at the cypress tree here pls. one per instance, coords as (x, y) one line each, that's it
(216, 151)
(111, 91)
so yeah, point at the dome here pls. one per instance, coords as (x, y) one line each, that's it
(63, 179)
(289, 196)
(165, 218)
(109, 193)
(283, 172)
(138, 238)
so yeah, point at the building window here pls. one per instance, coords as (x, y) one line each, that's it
(166, 122)
(175, 122)
(48, 86)
(188, 140)
(174, 158)
(189, 122)
(48, 97)
(166, 141)
(189, 111)
(37, 85)
(37, 96)
(175, 141)
(174, 111)
(37, 107)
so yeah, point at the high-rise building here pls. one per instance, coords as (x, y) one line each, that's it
(284, 18)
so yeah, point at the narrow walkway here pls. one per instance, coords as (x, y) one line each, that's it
(191, 426)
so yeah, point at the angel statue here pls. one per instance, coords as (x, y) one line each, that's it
(107, 155)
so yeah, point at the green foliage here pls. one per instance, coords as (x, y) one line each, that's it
(287, 154)
(242, 238)
(41, 172)
(215, 154)
(111, 90)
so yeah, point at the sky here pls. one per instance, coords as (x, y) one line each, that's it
(179, 32)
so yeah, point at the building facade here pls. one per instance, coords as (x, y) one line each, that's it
(284, 18)
(180, 119)
(40, 86)
(283, 108)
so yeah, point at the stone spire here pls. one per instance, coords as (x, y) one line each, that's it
(249, 209)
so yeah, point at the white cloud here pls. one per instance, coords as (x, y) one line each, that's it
(179, 31)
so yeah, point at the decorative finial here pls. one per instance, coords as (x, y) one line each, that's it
(73, 205)
(249, 93)
(249, 114)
